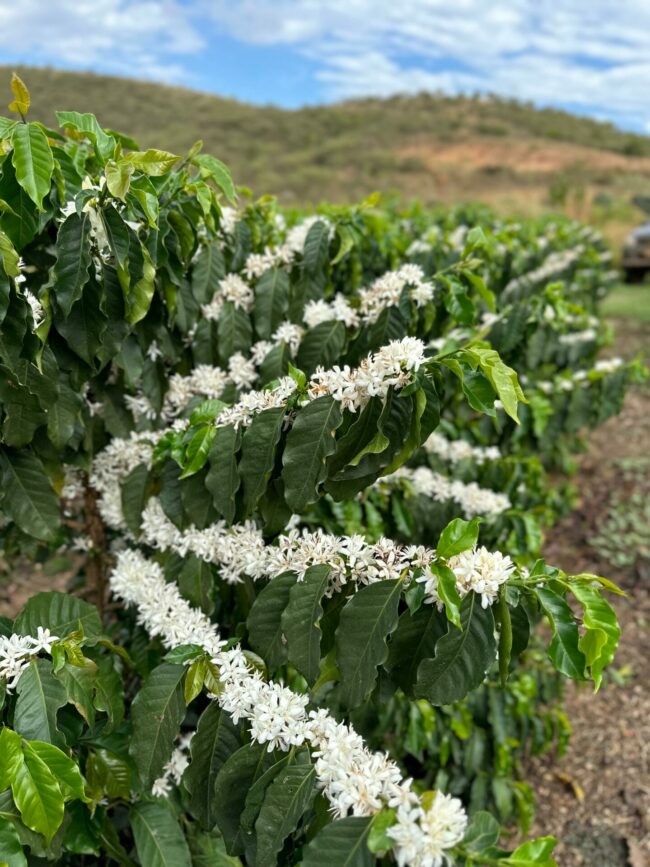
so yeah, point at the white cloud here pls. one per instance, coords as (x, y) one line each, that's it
(591, 55)
(133, 37)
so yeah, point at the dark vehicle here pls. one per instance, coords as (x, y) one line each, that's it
(636, 247)
(636, 254)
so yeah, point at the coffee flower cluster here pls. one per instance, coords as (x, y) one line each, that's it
(455, 451)
(469, 497)
(241, 550)
(477, 570)
(17, 650)
(354, 779)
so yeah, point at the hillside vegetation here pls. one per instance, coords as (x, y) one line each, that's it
(506, 153)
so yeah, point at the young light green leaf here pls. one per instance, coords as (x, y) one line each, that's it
(118, 177)
(22, 99)
(33, 161)
(458, 535)
(38, 796)
(11, 756)
(152, 162)
(564, 650)
(602, 632)
(64, 769)
(448, 592)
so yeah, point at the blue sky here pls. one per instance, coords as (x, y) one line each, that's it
(590, 56)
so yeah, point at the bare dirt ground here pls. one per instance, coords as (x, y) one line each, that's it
(596, 799)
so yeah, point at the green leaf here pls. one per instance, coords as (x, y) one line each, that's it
(118, 177)
(198, 449)
(159, 840)
(61, 613)
(85, 327)
(458, 535)
(208, 269)
(216, 739)
(11, 757)
(301, 621)
(194, 679)
(534, 852)
(366, 620)
(414, 639)
(448, 592)
(135, 493)
(259, 445)
(9, 256)
(223, 479)
(32, 158)
(321, 345)
(564, 650)
(87, 125)
(33, 505)
(22, 99)
(462, 657)
(309, 444)
(602, 632)
(234, 332)
(38, 796)
(378, 839)
(214, 170)
(73, 258)
(79, 683)
(343, 843)
(271, 301)
(157, 713)
(265, 620)
(152, 162)
(209, 850)
(196, 583)
(63, 768)
(40, 695)
(503, 379)
(138, 297)
(483, 832)
(235, 779)
(145, 193)
(108, 776)
(11, 849)
(287, 799)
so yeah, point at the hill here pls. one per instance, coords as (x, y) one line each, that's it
(507, 153)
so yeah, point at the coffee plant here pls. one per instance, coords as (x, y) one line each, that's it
(295, 460)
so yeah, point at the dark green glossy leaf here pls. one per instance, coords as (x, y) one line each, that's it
(159, 840)
(462, 658)
(157, 712)
(301, 621)
(309, 444)
(366, 620)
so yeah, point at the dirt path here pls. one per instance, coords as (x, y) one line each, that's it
(596, 799)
